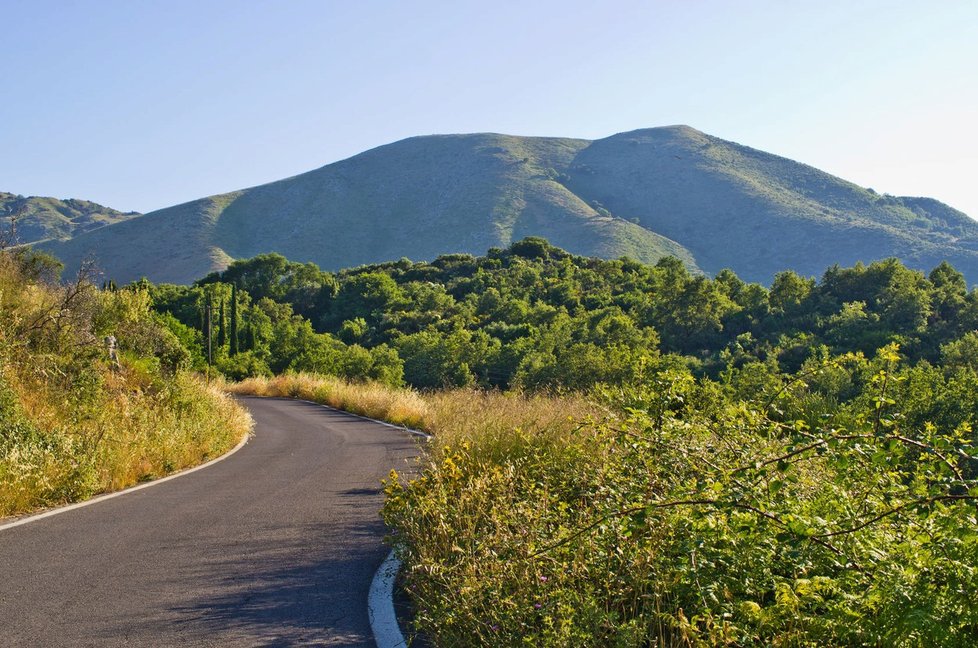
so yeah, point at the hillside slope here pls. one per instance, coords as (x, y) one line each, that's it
(757, 213)
(40, 218)
(417, 198)
(644, 194)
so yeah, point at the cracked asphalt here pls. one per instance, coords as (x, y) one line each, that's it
(274, 546)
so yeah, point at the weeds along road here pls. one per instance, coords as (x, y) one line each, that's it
(274, 546)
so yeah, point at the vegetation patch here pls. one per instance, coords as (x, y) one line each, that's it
(443, 413)
(74, 422)
(809, 509)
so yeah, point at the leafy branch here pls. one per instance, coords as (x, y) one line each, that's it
(690, 502)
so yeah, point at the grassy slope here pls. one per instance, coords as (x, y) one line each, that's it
(427, 196)
(71, 425)
(50, 218)
(773, 213)
(417, 198)
(643, 194)
(169, 245)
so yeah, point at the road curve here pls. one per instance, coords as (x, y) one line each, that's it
(275, 546)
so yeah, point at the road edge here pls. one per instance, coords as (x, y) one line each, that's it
(380, 598)
(125, 491)
(380, 605)
(418, 433)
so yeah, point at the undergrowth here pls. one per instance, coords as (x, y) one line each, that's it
(694, 515)
(72, 422)
(444, 414)
(806, 509)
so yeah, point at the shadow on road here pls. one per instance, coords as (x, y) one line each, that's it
(280, 593)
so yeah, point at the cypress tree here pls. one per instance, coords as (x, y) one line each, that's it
(222, 334)
(203, 320)
(209, 330)
(234, 319)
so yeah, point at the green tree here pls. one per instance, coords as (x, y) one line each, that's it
(234, 320)
(222, 336)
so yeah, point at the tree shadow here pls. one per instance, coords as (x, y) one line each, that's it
(272, 593)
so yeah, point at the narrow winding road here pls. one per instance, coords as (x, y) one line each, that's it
(274, 546)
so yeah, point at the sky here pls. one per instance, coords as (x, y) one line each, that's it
(138, 104)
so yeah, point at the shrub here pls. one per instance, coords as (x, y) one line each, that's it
(691, 517)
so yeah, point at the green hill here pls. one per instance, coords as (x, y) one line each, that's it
(736, 207)
(644, 194)
(38, 218)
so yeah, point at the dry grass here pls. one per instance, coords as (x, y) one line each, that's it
(200, 424)
(452, 416)
(400, 407)
(129, 436)
(71, 426)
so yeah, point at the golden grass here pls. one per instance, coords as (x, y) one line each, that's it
(452, 416)
(70, 425)
(132, 436)
(400, 407)
(161, 440)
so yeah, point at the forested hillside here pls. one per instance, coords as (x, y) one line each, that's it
(533, 316)
(646, 194)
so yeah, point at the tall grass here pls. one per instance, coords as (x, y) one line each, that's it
(451, 416)
(399, 407)
(73, 425)
(130, 437)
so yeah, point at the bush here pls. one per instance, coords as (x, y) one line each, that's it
(692, 517)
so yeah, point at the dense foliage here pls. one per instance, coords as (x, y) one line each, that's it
(74, 420)
(832, 506)
(534, 317)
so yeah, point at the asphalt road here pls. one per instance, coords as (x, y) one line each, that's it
(274, 546)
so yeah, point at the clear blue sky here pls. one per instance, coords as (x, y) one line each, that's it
(140, 104)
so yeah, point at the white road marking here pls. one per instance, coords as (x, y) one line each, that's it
(423, 435)
(380, 605)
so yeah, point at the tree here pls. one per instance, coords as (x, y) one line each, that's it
(222, 334)
(234, 320)
(788, 291)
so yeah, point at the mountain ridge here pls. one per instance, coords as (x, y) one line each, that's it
(39, 218)
(644, 194)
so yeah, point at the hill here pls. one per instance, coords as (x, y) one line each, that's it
(644, 194)
(39, 218)
(757, 213)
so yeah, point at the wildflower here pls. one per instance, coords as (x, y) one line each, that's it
(537, 606)
(543, 579)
